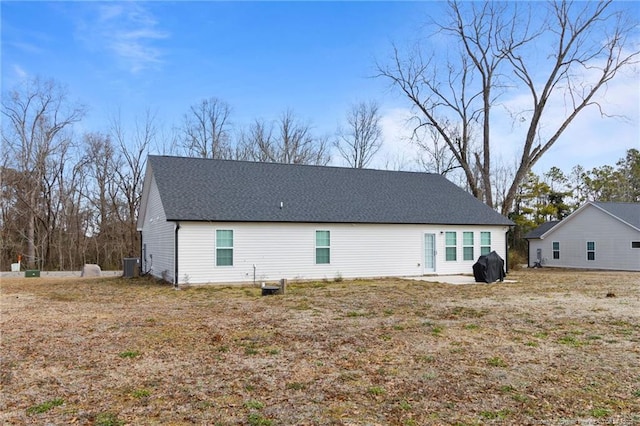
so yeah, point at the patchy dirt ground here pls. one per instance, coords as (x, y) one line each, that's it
(551, 349)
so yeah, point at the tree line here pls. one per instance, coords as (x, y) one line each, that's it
(68, 199)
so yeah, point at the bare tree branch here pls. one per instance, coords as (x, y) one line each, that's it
(286, 140)
(361, 138)
(589, 44)
(206, 129)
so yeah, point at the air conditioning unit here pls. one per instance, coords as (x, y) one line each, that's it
(130, 267)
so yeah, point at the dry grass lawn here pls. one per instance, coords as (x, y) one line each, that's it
(550, 349)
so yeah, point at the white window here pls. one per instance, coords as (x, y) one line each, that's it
(591, 250)
(323, 247)
(450, 246)
(224, 247)
(485, 243)
(556, 249)
(467, 245)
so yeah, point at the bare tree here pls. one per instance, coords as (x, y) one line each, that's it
(73, 238)
(287, 140)
(100, 163)
(588, 45)
(436, 156)
(12, 214)
(361, 138)
(134, 149)
(256, 142)
(206, 129)
(397, 161)
(38, 115)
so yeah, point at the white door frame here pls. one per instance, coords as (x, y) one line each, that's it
(426, 268)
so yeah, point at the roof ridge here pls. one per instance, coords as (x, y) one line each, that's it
(277, 164)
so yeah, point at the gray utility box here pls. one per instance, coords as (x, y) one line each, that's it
(130, 267)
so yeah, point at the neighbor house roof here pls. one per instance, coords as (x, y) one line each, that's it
(193, 189)
(540, 230)
(626, 212)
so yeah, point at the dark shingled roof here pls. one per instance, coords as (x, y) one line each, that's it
(537, 233)
(628, 212)
(193, 189)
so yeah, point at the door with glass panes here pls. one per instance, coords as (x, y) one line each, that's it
(429, 253)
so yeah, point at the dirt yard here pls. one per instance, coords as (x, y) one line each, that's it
(555, 348)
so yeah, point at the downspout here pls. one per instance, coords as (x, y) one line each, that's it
(506, 250)
(175, 261)
(142, 257)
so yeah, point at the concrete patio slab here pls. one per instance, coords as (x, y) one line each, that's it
(453, 279)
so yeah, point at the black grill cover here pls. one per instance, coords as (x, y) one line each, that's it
(489, 268)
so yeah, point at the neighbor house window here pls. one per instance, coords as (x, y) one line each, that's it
(556, 249)
(323, 247)
(450, 243)
(635, 244)
(591, 250)
(224, 247)
(485, 243)
(467, 245)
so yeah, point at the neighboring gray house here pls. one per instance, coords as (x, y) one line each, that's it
(595, 236)
(221, 221)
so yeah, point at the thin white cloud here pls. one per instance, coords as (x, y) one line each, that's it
(30, 48)
(397, 152)
(19, 72)
(128, 31)
(107, 12)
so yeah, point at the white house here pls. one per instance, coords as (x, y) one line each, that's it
(222, 221)
(595, 236)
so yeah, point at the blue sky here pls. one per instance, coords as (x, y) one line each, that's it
(262, 58)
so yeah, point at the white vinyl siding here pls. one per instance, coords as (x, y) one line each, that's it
(158, 238)
(286, 250)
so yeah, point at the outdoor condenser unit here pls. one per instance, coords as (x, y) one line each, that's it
(130, 267)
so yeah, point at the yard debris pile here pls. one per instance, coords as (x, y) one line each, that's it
(548, 349)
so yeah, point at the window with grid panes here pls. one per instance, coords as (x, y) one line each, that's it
(323, 247)
(450, 246)
(224, 247)
(485, 243)
(467, 245)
